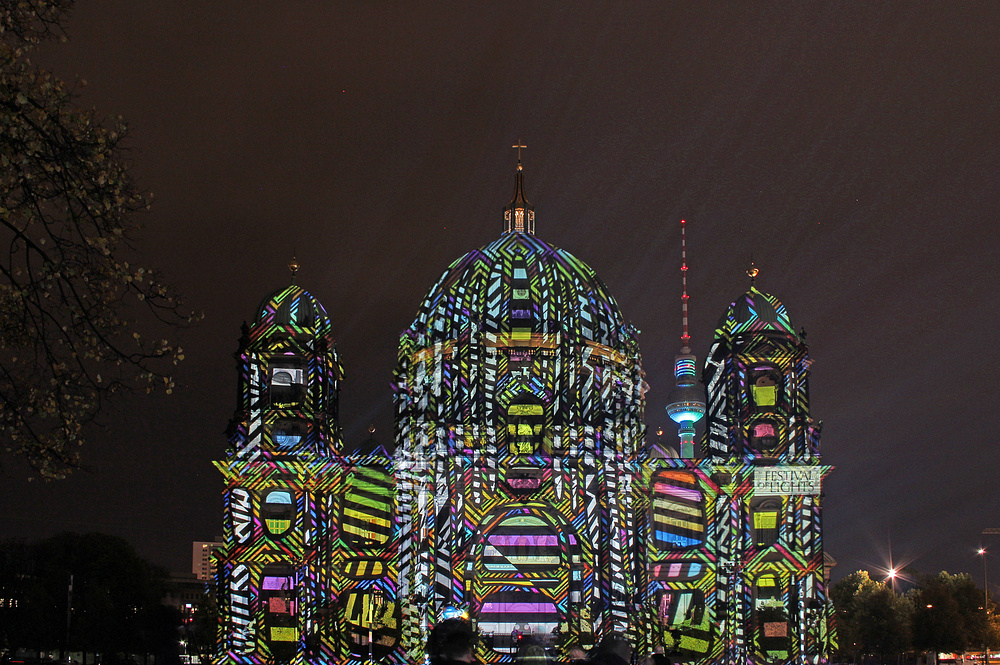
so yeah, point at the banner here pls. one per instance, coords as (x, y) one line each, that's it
(787, 480)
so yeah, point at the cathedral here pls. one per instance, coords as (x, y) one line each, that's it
(523, 492)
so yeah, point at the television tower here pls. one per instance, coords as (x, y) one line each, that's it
(687, 399)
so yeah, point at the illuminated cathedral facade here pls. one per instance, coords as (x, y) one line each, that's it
(523, 492)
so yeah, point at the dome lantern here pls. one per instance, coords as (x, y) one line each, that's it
(519, 214)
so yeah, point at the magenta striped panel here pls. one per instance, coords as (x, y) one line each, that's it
(512, 608)
(679, 492)
(516, 540)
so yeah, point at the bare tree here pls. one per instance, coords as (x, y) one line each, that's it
(70, 302)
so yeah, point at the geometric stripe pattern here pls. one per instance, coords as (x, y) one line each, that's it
(519, 400)
(520, 489)
(309, 530)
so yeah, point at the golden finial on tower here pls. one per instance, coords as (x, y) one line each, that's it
(752, 272)
(293, 266)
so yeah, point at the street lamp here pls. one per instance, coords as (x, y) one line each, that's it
(986, 609)
(892, 578)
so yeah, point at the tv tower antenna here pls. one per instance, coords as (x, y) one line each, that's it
(687, 399)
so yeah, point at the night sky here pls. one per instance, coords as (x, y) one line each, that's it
(851, 148)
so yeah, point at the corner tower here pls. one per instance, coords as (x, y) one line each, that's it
(519, 397)
(771, 592)
(757, 375)
(274, 588)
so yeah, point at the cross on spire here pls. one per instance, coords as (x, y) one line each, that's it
(519, 147)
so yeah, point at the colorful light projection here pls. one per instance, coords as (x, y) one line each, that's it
(678, 499)
(525, 496)
(772, 596)
(735, 560)
(509, 402)
(309, 529)
(519, 406)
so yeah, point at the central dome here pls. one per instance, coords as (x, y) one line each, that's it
(519, 284)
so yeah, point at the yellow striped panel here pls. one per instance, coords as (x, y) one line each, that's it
(680, 524)
(370, 519)
(364, 568)
(278, 526)
(765, 520)
(667, 504)
(282, 634)
(375, 504)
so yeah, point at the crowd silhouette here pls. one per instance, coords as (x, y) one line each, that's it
(453, 642)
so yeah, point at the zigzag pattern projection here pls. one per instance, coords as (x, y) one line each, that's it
(308, 563)
(763, 545)
(521, 490)
(678, 515)
(519, 406)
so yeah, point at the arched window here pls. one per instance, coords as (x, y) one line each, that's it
(678, 511)
(766, 515)
(287, 436)
(771, 618)
(279, 597)
(521, 306)
(522, 544)
(278, 512)
(525, 425)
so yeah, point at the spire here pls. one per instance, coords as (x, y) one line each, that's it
(519, 214)
(685, 337)
(687, 400)
(293, 267)
(752, 271)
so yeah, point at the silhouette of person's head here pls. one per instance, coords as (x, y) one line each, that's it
(451, 641)
(613, 647)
